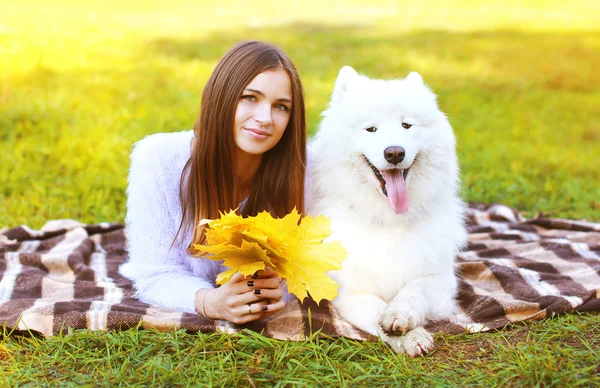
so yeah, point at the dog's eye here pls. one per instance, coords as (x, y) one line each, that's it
(406, 125)
(371, 129)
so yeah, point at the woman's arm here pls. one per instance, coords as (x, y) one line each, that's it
(159, 271)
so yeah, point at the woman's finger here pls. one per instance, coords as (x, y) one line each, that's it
(264, 273)
(255, 307)
(254, 311)
(258, 294)
(249, 312)
(244, 286)
(272, 308)
(236, 278)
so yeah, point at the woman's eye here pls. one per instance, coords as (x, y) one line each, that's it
(371, 129)
(282, 107)
(249, 97)
(406, 125)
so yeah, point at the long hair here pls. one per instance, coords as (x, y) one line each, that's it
(207, 184)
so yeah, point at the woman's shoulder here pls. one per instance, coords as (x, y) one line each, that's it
(161, 154)
(164, 144)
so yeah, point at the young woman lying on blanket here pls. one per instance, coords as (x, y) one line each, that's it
(247, 151)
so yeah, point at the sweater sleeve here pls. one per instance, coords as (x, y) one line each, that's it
(161, 273)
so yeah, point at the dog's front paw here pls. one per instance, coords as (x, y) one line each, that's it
(394, 320)
(416, 342)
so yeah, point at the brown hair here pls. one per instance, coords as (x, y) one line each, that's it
(207, 184)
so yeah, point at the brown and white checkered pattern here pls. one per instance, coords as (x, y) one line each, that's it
(513, 269)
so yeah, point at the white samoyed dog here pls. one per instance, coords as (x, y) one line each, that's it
(383, 167)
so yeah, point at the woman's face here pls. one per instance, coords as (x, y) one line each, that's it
(263, 112)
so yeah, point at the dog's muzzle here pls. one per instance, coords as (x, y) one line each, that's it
(378, 175)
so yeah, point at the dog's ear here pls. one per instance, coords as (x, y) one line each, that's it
(344, 79)
(415, 78)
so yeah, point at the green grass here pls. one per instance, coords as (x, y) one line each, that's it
(80, 81)
(557, 352)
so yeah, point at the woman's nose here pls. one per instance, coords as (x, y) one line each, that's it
(263, 114)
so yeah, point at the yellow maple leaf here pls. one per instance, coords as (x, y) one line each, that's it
(291, 246)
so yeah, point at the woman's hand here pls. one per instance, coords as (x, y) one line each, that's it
(242, 299)
(266, 274)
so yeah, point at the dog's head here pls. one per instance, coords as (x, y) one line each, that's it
(390, 130)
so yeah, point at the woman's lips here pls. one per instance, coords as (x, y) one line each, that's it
(257, 133)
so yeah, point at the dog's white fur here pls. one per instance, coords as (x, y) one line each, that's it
(400, 268)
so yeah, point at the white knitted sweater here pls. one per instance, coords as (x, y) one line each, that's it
(162, 275)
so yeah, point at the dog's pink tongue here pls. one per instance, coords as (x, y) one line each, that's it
(396, 190)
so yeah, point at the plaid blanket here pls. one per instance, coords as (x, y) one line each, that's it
(65, 276)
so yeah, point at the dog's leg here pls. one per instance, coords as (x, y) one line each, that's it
(405, 312)
(361, 309)
(364, 311)
(423, 298)
(417, 342)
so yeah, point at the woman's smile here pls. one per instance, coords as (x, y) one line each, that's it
(258, 134)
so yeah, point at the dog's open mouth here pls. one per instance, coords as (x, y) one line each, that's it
(393, 186)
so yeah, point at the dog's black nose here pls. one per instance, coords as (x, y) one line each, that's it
(394, 154)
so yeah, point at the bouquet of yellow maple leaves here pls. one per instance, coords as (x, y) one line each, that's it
(293, 248)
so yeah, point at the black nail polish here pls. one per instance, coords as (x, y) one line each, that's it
(255, 276)
(251, 283)
(257, 292)
(265, 308)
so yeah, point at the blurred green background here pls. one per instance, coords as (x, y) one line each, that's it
(81, 81)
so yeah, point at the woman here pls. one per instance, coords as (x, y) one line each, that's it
(247, 151)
